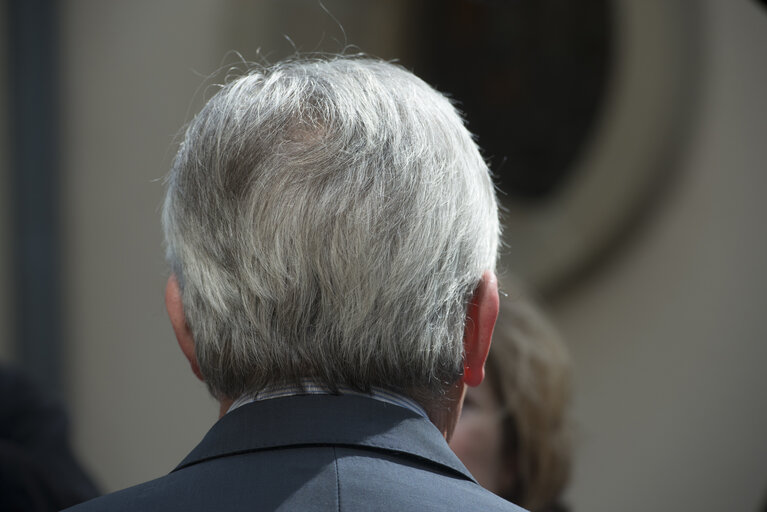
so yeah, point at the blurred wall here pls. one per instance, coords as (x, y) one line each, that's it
(128, 76)
(667, 338)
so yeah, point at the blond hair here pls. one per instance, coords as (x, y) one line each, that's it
(529, 370)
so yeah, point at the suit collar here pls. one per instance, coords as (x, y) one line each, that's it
(338, 420)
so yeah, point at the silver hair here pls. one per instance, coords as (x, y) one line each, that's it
(329, 218)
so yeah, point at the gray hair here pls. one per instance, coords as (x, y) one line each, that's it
(330, 219)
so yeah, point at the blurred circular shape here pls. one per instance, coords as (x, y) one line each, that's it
(626, 159)
(579, 106)
(530, 78)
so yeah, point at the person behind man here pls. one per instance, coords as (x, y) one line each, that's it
(38, 470)
(514, 434)
(332, 231)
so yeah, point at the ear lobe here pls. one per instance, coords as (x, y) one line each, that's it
(181, 329)
(480, 322)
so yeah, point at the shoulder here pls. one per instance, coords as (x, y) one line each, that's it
(319, 478)
(149, 496)
(402, 484)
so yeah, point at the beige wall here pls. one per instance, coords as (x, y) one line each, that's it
(128, 77)
(667, 338)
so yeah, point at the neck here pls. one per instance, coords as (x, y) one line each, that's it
(225, 404)
(447, 411)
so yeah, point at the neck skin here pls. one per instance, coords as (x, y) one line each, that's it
(444, 416)
(225, 404)
(447, 411)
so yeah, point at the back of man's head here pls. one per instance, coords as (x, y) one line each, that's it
(329, 219)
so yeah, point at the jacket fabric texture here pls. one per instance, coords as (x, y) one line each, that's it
(314, 452)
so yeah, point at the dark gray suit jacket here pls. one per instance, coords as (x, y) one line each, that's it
(314, 452)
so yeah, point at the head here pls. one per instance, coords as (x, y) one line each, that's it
(330, 219)
(513, 434)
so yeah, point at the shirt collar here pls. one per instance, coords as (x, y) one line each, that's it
(312, 387)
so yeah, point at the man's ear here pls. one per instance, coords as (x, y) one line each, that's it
(177, 319)
(480, 321)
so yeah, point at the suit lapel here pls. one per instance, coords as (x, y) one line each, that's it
(337, 420)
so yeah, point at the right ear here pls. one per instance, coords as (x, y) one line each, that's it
(481, 315)
(178, 320)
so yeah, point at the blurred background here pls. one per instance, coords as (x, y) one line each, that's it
(628, 142)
